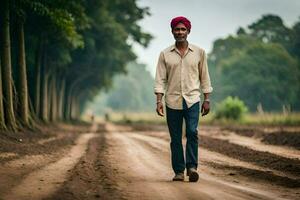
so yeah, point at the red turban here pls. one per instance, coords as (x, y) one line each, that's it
(183, 20)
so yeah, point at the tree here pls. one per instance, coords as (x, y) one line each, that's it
(296, 40)
(63, 39)
(254, 61)
(6, 66)
(224, 49)
(296, 52)
(54, 30)
(106, 53)
(22, 87)
(132, 91)
(261, 73)
(2, 119)
(270, 28)
(241, 31)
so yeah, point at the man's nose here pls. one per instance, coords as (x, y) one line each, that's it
(180, 32)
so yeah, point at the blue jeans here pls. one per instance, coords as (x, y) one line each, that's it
(175, 121)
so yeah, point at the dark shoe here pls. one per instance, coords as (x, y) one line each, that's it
(179, 177)
(192, 174)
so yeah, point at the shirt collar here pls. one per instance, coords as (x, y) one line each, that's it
(173, 47)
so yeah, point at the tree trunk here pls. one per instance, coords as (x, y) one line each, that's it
(53, 97)
(22, 77)
(44, 98)
(60, 99)
(68, 102)
(44, 92)
(81, 102)
(73, 108)
(77, 108)
(50, 84)
(6, 67)
(2, 120)
(37, 71)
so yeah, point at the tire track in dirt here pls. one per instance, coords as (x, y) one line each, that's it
(258, 167)
(262, 176)
(45, 181)
(134, 165)
(153, 165)
(254, 144)
(218, 160)
(280, 135)
(93, 176)
(264, 159)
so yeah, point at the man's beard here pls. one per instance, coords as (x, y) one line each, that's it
(180, 39)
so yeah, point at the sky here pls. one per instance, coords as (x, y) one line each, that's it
(211, 20)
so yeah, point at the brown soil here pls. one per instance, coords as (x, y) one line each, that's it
(283, 138)
(263, 159)
(279, 136)
(92, 176)
(43, 140)
(133, 162)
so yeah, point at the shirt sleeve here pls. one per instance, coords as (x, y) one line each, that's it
(161, 75)
(205, 83)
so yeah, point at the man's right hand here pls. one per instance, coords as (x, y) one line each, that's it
(160, 109)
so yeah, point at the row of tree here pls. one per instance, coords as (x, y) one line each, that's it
(131, 92)
(260, 65)
(73, 49)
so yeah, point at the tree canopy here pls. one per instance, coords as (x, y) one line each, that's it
(260, 65)
(70, 50)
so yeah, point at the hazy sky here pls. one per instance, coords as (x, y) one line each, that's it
(211, 19)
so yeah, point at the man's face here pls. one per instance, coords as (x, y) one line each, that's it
(180, 32)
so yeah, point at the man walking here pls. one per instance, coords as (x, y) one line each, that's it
(181, 74)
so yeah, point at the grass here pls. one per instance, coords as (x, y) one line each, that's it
(291, 119)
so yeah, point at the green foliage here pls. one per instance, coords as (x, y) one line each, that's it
(270, 28)
(262, 73)
(85, 42)
(63, 19)
(259, 65)
(107, 49)
(130, 92)
(133, 91)
(73, 50)
(231, 108)
(296, 42)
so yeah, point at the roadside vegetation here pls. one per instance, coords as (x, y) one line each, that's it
(253, 119)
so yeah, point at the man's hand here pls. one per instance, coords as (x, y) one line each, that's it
(160, 109)
(205, 108)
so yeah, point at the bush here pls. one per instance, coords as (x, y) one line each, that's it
(231, 108)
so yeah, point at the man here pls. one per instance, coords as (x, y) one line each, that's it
(180, 75)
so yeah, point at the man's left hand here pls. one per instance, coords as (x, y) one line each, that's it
(205, 108)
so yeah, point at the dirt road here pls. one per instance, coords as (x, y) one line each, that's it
(126, 163)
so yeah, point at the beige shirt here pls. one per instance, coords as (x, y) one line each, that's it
(182, 77)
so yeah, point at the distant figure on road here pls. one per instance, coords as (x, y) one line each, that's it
(181, 74)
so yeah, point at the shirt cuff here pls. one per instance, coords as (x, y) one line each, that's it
(207, 90)
(159, 90)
